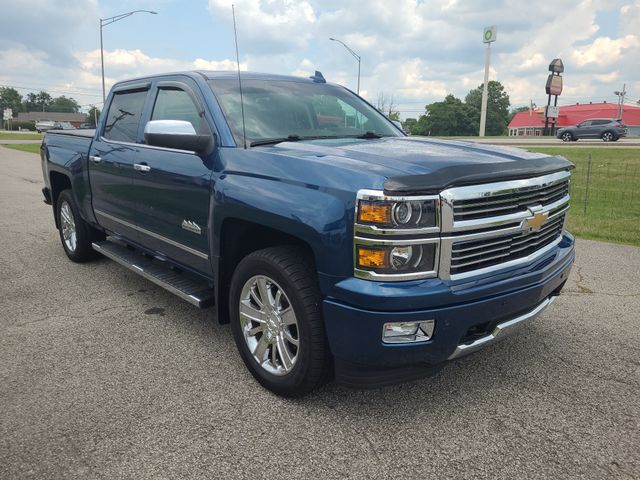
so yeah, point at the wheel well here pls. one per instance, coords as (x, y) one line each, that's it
(59, 182)
(240, 238)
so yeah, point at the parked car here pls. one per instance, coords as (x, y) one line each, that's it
(332, 247)
(63, 126)
(608, 129)
(44, 125)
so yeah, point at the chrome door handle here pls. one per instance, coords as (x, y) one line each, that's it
(141, 167)
(95, 159)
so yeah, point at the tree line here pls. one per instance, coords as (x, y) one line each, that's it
(40, 102)
(453, 116)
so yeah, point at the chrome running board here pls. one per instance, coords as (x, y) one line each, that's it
(185, 285)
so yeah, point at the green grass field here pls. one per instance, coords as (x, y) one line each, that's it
(25, 147)
(20, 136)
(605, 203)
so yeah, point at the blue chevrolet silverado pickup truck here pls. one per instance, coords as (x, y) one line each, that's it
(332, 243)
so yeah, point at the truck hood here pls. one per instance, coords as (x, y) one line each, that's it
(412, 165)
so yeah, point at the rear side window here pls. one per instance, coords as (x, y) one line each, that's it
(601, 122)
(124, 115)
(176, 104)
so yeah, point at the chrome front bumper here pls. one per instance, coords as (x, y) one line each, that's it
(501, 330)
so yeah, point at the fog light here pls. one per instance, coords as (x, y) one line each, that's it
(407, 332)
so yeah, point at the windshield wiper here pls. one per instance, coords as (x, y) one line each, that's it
(290, 138)
(370, 134)
(273, 141)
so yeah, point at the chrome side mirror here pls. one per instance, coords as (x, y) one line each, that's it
(178, 134)
(399, 125)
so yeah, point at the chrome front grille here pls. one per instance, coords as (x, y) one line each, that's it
(510, 202)
(492, 226)
(471, 255)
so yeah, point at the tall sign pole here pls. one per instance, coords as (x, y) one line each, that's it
(553, 87)
(488, 37)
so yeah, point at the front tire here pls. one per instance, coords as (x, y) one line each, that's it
(566, 137)
(76, 235)
(276, 319)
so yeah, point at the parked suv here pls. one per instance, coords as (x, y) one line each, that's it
(608, 129)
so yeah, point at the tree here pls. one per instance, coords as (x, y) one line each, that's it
(64, 104)
(37, 102)
(497, 108)
(387, 106)
(93, 115)
(409, 124)
(446, 118)
(513, 112)
(10, 98)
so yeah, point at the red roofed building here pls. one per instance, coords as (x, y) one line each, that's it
(531, 122)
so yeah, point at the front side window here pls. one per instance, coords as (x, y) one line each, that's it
(176, 104)
(282, 108)
(124, 115)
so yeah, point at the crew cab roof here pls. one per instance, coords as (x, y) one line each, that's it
(218, 74)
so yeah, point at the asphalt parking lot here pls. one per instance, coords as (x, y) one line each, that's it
(104, 375)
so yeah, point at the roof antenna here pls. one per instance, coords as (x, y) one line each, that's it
(235, 34)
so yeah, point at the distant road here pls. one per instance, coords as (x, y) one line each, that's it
(632, 142)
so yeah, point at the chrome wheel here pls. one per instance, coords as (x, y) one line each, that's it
(269, 325)
(68, 226)
(567, 137)
(607, 136)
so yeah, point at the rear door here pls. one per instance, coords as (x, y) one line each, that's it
(600, 126)
(173, 188)
(111, 160)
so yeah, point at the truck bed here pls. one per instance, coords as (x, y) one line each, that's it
(74, 133)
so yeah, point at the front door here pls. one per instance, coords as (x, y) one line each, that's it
(111, 160)
(587, 129)
(173, 186)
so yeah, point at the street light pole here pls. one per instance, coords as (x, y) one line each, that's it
(104, 95)
(108, 21)
(355, 55)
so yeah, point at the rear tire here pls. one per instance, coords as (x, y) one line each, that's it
(279, 332)
(76, 235)
(608, 137)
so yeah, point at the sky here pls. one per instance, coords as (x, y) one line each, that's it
(417, 51)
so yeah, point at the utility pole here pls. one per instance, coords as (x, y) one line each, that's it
(621, 95)
(488, 37)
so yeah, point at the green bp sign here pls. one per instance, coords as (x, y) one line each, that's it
(490, 34)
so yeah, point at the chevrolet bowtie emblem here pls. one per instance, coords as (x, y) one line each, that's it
(537, 221)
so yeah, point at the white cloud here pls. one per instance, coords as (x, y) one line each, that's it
(605, 51)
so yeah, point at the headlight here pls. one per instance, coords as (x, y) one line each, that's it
(396, 259)
(398, 214)
(396, 237)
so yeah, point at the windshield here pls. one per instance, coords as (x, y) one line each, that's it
(290, 110)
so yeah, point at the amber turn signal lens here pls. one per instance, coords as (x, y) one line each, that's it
(374, 213)
(372, 258)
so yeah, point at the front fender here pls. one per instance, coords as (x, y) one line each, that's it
(321, 218)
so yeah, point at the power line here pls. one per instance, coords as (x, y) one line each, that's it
(62, 92)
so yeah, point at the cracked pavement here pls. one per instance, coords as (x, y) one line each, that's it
(104, 375)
